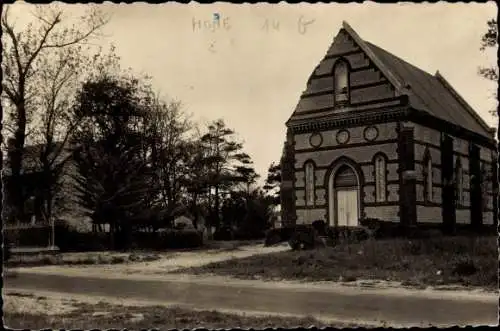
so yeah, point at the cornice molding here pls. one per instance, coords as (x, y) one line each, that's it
(348, 119)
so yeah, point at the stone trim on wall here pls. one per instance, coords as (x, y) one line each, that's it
(347, 119)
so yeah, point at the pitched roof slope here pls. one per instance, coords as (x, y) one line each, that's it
(432, 93)
(426, 92)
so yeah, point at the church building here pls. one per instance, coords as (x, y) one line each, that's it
(373, 136)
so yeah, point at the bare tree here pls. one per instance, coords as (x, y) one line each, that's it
(61, 78)
(25, 53)
(167, 129)
(488, 41)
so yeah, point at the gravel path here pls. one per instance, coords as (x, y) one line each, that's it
(169, 261)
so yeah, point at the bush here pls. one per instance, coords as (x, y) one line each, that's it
(69, 240)
(224, 233)
(464, 268)
(279, 235)
(168, 239)
(247, 232)
(33, 237)
(187, 239)
(321, 227)
(273, 237)
(6, 250)
(304, 237)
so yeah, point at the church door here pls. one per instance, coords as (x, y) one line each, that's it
(347, 207)
(344, 197)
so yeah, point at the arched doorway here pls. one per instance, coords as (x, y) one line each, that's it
(344, 195)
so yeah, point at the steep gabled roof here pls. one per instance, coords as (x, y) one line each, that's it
(426, 92)
(431, 93)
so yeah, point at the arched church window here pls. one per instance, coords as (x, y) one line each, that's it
(380, 179)
(459, 182)
(486, 184)
(428, 175)
(309, 181)
(341, 74)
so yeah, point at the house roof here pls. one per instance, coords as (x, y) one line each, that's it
(426, 92)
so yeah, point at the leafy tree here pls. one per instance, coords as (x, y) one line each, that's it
(249, 212)
(273, 181)
(490, 41)
(246, 173)
(113, 179)
(25, 54)
(196, 180)
(223, 154)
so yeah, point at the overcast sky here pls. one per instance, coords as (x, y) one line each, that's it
(253, 78)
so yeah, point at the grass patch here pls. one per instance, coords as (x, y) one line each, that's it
(105, 316)
(78, 259)
(469, 261)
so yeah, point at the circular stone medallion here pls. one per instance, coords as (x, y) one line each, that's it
(316, 139)
(342, 136)
(371, 133)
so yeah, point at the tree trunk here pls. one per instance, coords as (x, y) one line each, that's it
(1, 170)
(15, 193)
(217, 206)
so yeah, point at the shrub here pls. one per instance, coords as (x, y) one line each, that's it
(69, 240)
(224, 233)
(118, 259)
(320, 227)
(304, 237)
(6, 250)
(464, 268)
(34, 237)
(347, 234)
(275, 236)
(187, 239)
(167, 239)
(49, 260)
(249, 231)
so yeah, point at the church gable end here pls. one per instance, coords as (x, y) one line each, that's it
(366, 82)
(379, 80)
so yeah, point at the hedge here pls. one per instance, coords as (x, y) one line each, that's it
(381, 230)
(69, 240)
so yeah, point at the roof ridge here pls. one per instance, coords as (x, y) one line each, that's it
(394, 79)
(398, 58)
(462, 101)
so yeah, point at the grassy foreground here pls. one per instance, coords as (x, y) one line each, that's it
(469, 261)
(106, 316)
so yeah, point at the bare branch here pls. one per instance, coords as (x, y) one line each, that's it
(10, 32)
(41, 44)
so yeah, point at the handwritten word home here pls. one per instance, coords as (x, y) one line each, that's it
(214, 24)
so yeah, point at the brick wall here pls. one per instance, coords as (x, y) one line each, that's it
(488, 218)
(386, 213)
(373, 93)
(323, 159)
(463, 216)
(307, 216)
(429, 214)
(356, 60)
(358, 154)
(385, 132)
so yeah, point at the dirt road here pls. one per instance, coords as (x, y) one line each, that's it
(346, 304)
